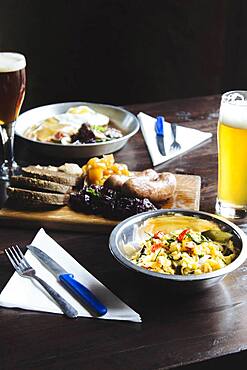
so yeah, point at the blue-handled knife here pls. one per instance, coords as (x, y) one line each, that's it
(159, 129)
(67, 279)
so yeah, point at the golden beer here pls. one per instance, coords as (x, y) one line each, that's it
(232, 155)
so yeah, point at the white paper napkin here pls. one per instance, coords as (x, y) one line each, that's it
(188, 138)
(29, 295)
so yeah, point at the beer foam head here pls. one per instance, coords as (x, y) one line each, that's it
(233, 109)
(11, 62)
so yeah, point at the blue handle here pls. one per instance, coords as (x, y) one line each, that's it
(83, 293)
(159, 125)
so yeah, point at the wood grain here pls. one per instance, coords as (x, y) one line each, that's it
(187, 196)
(195, 332)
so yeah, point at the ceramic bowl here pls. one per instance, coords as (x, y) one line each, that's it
(123, 120)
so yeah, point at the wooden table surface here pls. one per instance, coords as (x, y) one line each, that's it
(191, 332)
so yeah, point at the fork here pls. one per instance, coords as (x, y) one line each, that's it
(23, 268)
(175, 146)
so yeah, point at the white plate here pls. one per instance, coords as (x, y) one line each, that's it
(124, 120)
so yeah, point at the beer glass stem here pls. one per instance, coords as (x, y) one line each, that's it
(9, 166)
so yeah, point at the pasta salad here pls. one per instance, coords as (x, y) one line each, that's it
(184, 252)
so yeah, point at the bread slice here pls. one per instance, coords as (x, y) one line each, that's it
(45, 173)
(37, 197)
(30, 183)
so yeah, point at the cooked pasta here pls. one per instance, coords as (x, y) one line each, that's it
(183, 252)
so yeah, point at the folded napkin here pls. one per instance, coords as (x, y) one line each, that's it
(27, 294)
(188, 138)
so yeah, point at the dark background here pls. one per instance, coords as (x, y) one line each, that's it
(126, 51)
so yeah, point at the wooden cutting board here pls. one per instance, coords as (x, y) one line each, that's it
(187, 196)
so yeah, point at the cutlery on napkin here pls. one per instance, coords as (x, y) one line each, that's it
(26, 294)
(67, 279)
(159, 129)
(188, 138)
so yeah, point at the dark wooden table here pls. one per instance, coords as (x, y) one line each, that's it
(201, 331)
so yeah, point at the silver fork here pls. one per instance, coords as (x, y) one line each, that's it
(175, 145)
(23, 268)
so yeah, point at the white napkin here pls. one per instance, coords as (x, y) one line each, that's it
(29, 295)
(188, 138)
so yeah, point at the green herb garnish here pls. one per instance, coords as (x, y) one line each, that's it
(142, 253)
(93, 192)
(99, 128)
(157, 255)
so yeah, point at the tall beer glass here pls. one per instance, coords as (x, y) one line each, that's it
(12, 91)
(232, 155)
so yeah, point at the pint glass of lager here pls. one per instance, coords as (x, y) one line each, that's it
(232, 155)
(12, 91)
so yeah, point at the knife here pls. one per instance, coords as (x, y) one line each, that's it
(67, 279)
(159, 129)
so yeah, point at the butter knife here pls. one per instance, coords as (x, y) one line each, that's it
(80, 292)
(159, 129)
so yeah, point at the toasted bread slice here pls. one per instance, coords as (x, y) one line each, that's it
(30, 183)
(37, 197)
(44, 173)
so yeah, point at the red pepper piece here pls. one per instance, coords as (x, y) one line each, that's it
(158, 235)
(156, 246)
(59, 135)
(182, 234)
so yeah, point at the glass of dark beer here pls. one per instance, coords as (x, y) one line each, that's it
(12, 91)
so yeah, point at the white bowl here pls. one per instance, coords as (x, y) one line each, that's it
(124, 120)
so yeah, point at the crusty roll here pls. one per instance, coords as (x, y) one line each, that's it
(116, 181)
(157, 187)
(156, 190)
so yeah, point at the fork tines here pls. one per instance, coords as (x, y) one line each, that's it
(16, 257)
